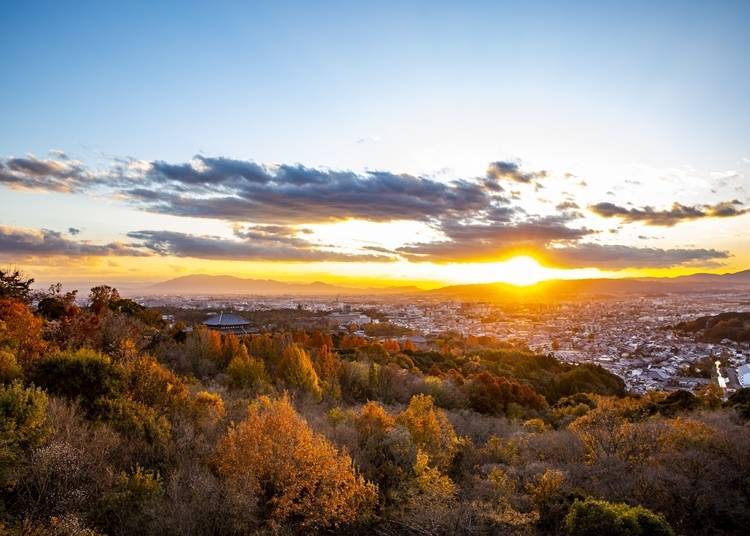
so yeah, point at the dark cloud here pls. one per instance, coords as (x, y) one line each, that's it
(511, 171)
(618, 257)
(567, 205)
(73, 231)
(244, 191)
(670, 217)
(474, 242)
(255, 245)
(32, 173)
(18, 243)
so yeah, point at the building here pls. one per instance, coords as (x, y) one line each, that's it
(228, 323)
(743, 374)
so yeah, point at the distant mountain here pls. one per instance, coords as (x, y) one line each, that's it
(227, 285)
(561, 289)
(596, 287)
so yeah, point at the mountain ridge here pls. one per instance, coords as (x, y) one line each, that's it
(202, 284)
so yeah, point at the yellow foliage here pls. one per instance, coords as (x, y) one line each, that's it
(296, 370)
(209, 406)
(430, 430)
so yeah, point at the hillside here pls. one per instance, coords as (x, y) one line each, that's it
(227, 284)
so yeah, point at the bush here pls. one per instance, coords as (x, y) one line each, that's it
(593, 517)
(22, 420)
(84, 375)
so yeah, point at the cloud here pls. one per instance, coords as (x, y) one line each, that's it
(618, 257)
(237, 190)
(480, 242)
(257, 244)
(32, 173)
(511, 171)
(244, 191)
(667, 218)
(73, 231)
(16, 243)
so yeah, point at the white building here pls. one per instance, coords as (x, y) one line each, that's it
(743, 374)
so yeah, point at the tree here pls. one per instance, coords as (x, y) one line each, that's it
(246, 372)
(593, 517)
(494, 395)
(20, 331)
(56, 305)
(295, 474)
(15, 285)
(386, 453)
(430, 430)
(101, 297)
(23, 420)
(83, 375)
(296, 370)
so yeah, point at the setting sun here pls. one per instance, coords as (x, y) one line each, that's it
(522, 271)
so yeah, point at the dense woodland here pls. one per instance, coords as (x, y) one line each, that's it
(732, 326)
(113, 423)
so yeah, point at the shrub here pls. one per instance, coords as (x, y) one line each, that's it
(84, 375)
(126, 508)
(22, 420)
(593, 517)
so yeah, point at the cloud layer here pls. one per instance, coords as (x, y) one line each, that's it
(669, 217)
(266, 204)
(22, 243)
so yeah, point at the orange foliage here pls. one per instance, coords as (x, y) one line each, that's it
(299, 475)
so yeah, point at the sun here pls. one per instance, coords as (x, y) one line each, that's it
(522, 271)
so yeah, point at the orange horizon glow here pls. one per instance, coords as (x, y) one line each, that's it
(519, 270)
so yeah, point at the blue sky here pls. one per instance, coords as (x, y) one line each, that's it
(604, 90)
(303, 81)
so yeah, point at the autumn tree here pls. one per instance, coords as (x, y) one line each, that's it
(386, 451)
(296, 475)
(430, 429)
(246, 372)
(296, 370)
(20, 332)
(101, 297)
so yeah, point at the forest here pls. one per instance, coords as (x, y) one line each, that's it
(114, 423)
(731, 325)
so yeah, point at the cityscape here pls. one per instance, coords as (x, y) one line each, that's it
(632, 337)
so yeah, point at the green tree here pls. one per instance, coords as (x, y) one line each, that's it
(84, 375)
(593, 517)
(22, 420)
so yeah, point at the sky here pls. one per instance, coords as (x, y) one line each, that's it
(378, 143)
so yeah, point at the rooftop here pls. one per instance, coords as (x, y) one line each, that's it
(226, 319)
